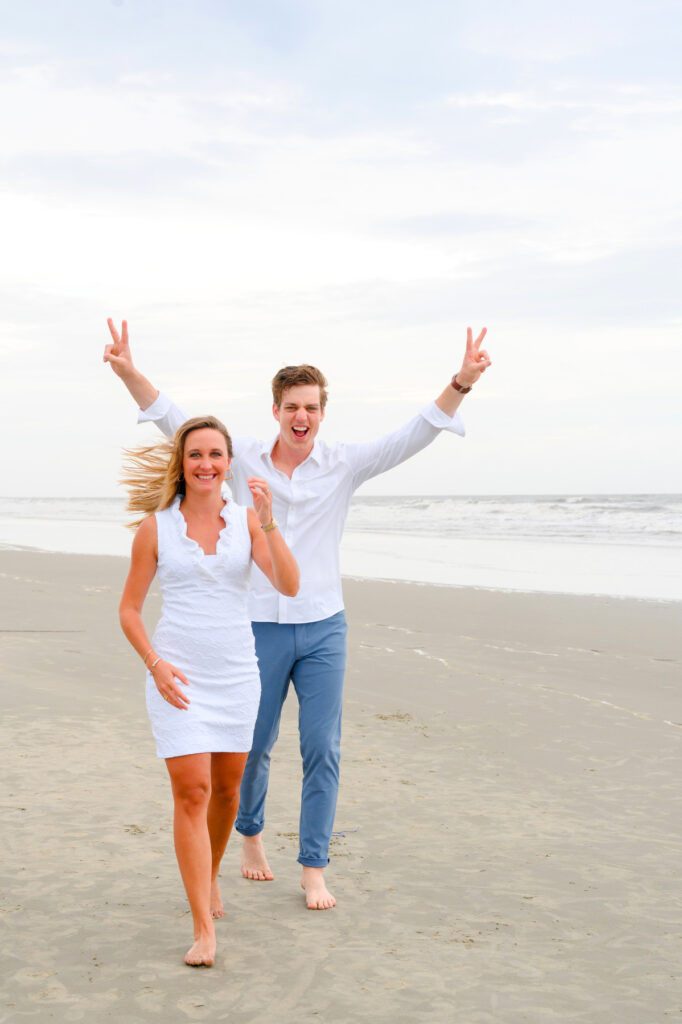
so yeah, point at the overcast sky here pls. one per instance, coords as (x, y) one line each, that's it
(349, 183)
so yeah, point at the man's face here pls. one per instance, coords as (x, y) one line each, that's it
(299, 416)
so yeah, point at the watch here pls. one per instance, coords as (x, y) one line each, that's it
(458, 387)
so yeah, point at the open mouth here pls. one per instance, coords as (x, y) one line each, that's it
(300, 431)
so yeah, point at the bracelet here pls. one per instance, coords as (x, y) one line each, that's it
(147, 655)
(154, 664)
(271, 526)
(458, 387)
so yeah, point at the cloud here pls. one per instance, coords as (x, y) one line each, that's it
(460, 224)
(617, 101)
(551, 34)
(349, 185)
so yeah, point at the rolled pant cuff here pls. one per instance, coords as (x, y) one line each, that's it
(248, 830)
(309, 862)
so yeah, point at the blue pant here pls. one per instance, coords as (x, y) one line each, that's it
(312, 656)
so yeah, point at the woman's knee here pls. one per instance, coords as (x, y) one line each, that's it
(226, 790)
(226, 776)
(192, 796)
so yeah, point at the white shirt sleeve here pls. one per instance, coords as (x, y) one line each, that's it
(370, 458)
(164, 413)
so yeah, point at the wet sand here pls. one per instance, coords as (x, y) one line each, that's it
(508, 829)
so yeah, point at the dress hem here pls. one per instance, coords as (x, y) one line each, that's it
(202, 750)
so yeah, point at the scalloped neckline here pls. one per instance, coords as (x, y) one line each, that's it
(191, 540)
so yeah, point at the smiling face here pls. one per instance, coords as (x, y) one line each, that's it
(205, 461)
(299, 416)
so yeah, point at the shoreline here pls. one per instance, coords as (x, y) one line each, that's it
(354, 576)
(623, 546)
(504, 841)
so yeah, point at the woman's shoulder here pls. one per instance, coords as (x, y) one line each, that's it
(238, 510)
(145, 539)
(147, 529)
(244, 514)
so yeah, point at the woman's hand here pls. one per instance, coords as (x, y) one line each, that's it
(164, 675)
(262, 499)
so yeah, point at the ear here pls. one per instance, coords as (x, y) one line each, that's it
(275, 411)
(322, 412)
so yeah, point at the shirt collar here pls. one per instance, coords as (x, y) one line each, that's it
(267, 446)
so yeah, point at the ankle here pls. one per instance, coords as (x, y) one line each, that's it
(204, 928)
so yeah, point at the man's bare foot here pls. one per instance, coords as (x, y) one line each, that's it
(217, 908)
(254, 862)
(317, 895)
(202, 953)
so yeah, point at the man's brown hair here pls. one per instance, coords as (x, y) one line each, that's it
(292, 376)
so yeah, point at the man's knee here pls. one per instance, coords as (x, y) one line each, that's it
(321, 753)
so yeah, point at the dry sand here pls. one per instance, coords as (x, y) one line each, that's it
(508, 844)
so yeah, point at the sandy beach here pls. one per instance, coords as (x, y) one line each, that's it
(507, 843)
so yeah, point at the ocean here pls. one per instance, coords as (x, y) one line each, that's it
(621, 545)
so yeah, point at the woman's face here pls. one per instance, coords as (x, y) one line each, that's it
(205, 461)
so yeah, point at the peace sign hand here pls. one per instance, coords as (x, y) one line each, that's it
(476, 360)
(118, 355)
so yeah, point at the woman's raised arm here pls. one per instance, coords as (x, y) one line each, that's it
(268, 547)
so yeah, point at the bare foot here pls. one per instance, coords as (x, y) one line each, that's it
(217, 908)
(254, 861)
(317, 895)
(202, 953)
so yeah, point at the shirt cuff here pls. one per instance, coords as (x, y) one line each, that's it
(156, 411)
(437, 418)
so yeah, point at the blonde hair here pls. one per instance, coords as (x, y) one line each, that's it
(153, 473)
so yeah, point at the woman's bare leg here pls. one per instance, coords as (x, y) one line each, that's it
(191, 782)
(226, 776)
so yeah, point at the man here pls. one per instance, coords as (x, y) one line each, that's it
(302, 639)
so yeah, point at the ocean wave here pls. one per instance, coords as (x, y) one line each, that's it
(651, 519)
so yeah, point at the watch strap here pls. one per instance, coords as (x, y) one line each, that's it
(458, 387)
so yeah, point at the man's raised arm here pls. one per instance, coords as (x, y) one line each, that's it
(154, 406)
(370, 458)
(476, 361)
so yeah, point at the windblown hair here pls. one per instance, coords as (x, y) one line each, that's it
(153, 473)
(292, 376)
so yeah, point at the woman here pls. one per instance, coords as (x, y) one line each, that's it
(203, 686)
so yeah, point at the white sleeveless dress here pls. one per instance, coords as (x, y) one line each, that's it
(205, 631)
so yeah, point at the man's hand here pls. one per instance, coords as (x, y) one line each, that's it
(119, 358)
(476, 360)
(118, 354)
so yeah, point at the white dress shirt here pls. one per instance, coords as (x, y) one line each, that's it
(311, 507)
